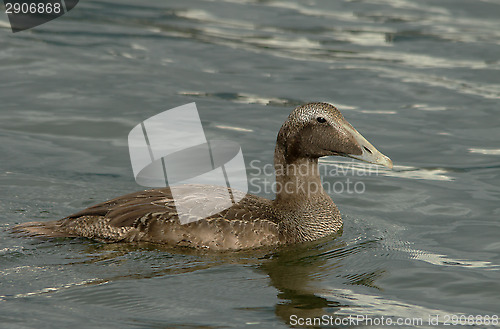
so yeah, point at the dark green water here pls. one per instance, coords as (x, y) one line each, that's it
(419, 79)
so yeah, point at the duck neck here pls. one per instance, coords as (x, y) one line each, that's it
(297, 178)
(306, 211)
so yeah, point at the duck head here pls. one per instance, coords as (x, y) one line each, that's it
(316, 130)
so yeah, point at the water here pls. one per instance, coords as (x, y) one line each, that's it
(419, 79)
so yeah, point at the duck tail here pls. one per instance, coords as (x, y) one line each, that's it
(40, 229)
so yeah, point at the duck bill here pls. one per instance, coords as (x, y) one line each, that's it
(369, 152)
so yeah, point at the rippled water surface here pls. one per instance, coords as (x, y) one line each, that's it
(419, 79)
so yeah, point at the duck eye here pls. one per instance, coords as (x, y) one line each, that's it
(321, 120)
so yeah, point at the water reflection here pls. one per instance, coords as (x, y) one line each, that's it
(297, 272)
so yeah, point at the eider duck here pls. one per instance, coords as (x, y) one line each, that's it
(301, 212)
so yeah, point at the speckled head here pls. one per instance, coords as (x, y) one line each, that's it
(318, 129)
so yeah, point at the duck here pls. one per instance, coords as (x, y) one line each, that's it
(301, 211)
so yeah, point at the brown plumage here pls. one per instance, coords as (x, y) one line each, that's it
(302, 210)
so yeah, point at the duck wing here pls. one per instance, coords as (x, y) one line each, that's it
(151, 216)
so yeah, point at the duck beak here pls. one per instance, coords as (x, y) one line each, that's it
(369, 152)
